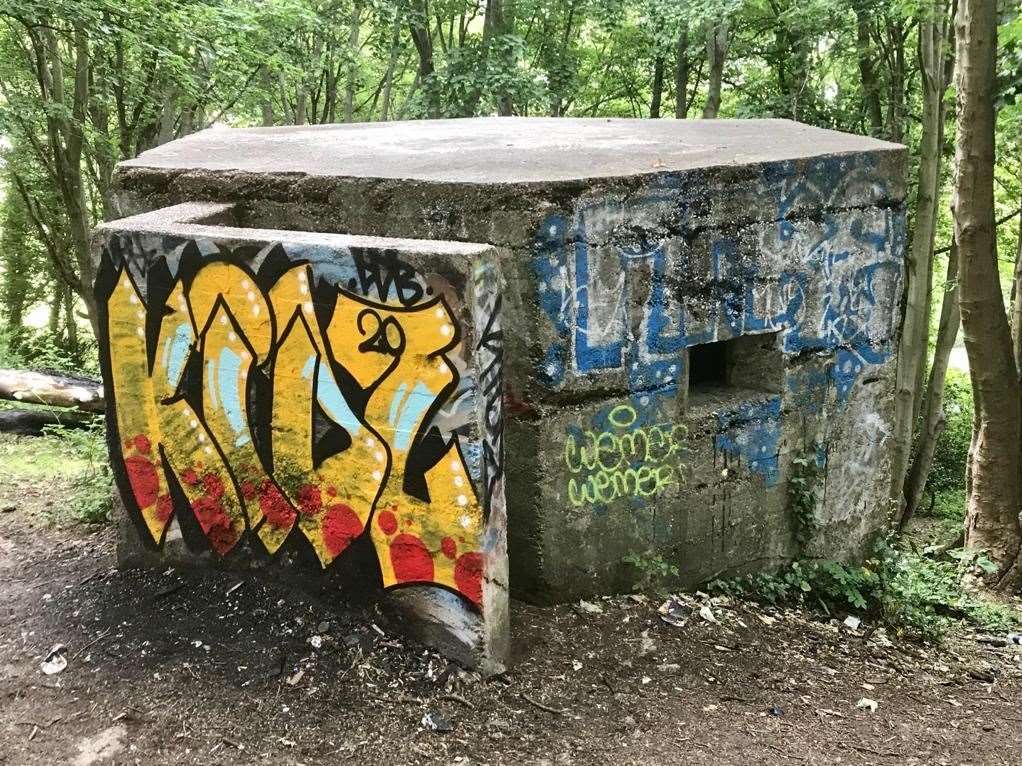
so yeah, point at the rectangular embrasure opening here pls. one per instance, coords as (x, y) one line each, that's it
(748, 363)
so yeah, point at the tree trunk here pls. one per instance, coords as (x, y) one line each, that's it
(395, 49)
(266, 84)
(658, 87)
(716, 50)
(867, 73)
(933, 403)
(681, 76)
(349, 89)
(1016, 299)
(992, 514)
(29, 387)
(419, 30)
(33, 422)
(913, 347)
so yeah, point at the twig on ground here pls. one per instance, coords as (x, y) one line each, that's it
(457, 698)
(541, 706)
(92, 643)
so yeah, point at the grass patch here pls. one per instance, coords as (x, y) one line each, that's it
(65, 457)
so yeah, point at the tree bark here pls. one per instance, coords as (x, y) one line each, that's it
(395, 49)
(716, 50)
(992, 513)
(349, 90)
(419, 30)
(658, 87)
(33, 422)
(913, 346)
(933, 403)
(867, 73)
(1016, 299)
(56, 390)
(681, 75)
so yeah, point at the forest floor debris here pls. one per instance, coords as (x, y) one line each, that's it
(216, 674)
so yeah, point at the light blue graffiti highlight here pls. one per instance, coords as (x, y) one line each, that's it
(228, 380)
(333, 402)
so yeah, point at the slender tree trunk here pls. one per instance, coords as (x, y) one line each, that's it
(1016, 299)
(716, 50)
(867, 73)
(912, 350)
(419, 31)
(395, 49)
(992, 514)
(898, 76)
(349, 90)
(266, 80)
(168, 116)
(681, 74)
(658, 87)
(933, 407)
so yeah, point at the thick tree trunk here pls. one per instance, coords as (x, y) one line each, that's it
(658, 87)
(716, 50)
(912, 350)
(52, 389)
(933, 403)
(681, 76)
(992, 515)
(32, 422)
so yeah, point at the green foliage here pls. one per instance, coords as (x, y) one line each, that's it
(92, 487)
(912, 594)
(655, 572)
(39, 350)
(802, 485)
(952, 450)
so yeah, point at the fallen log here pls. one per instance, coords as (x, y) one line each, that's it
(32, 422)
(54, 389)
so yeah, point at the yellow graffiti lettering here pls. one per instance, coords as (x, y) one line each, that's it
(623, 460)
(345, 442)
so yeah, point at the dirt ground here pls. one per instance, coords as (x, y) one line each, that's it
(189, 668)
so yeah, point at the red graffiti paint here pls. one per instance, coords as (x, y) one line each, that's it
(340, 528)
(142, 444)
(275, 507)
(310, 501)
(213, 486)
(190, 477)
(210, 513)
(248, 490)
(410, 559)
(387, 522)
(468, 575)
(449, 547)
(164, 508)
(144, 480)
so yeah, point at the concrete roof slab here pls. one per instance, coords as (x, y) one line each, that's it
(502, 149)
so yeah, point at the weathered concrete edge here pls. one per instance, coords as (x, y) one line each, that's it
(136, 167)
(189, 220)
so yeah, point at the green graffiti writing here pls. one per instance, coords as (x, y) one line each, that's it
(624, 460)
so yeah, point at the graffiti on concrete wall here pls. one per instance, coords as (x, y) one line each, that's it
(827, 286)
(299, 398)
(628, 284)
(622, 457)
